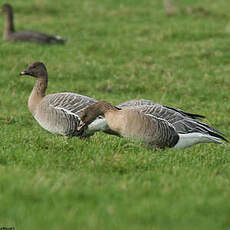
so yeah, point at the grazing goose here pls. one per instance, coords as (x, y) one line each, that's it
(58, 113)
(151, 128)
(182, 121)
(31, 36)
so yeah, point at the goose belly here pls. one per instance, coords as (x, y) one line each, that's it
(62, 127)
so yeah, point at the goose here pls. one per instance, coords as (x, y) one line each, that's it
(57, 113)
(182, 121)
(154, 125)
(31, 36)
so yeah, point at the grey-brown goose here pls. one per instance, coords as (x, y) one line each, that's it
(153, 127)
(177, 117)
(31, 36)
(58, 113)
(183, 122)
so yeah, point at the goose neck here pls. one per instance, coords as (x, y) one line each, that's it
(40, 86)
(107, 107)
(9, 24)
(37, 94)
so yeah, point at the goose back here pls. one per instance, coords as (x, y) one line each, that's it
(144, 102)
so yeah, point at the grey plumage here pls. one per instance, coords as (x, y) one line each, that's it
(59, 113)
(144, 102)
(153, 131)
(182, 122)
(164, 130)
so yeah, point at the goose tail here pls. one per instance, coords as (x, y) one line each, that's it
(58, 39)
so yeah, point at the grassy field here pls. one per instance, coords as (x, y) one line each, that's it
(119, 50)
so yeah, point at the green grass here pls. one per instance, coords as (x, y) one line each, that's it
(119, 50)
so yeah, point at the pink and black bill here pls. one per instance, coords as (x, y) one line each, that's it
(25, 72)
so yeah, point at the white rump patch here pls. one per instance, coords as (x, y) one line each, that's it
(187, 140)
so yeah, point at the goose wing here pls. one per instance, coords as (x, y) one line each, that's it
(71, 102)
(59, 113)
(144, 102)
(133, 103)
(164, 134)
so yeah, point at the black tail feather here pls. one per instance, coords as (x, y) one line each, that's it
(211, 128)
(217, 135)
(191, 115)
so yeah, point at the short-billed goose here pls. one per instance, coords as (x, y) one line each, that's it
(31, 36)
(58, 113)
(182, 121)
(159, 128)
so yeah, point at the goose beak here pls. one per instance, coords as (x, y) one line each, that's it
(25, 72)
(79, 128)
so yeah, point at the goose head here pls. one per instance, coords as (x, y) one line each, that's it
(7, 9)
(36, 69)
(90, 113)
